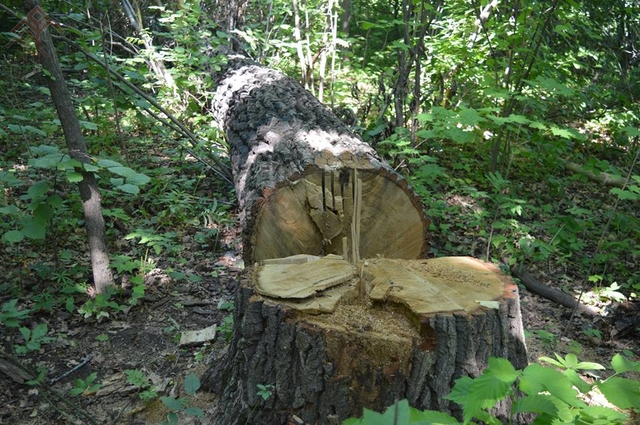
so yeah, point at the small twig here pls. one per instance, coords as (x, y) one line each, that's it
(84, 361)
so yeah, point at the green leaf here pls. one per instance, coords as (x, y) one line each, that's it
(623, 392)
(191, 383)
(577, 381)
(34, 230)
(138, 179)
(90, 167)
(194, 411)
(625, 195)
(88, 125)
(13, 236)
(39, 331)
(10, 209)
(469, 117)
(123, 171)
(535, 403)
(171, 403)
(107, 163)
(562, 132)
(43, 213)
(536, 379)
(430, 417)
(502, 370)
(602, 415)
(74, 176)
(621, 364)
(129, 188)
(38, 189)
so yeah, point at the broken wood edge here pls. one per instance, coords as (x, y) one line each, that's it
(552, 294)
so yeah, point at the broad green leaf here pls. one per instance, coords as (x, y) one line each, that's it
(623, 392)
(123, 171)
(74, 177)
(519, 119)
(621, 364)
(469, 117)
(171, 403)
(107, 163)
(194, 411)
(577, 381)
(10, 209)
(625, 195)
(502, 369)
(631, 131)
(430, 417)
(138, 179)
(90, 167)
(536, 379)
(605, 415)
(34, 230)
(13, 236)
(191, 383)
(88, 125)
(55, 201)
(563, 132)
(130, 188)
(37, 189)
(39, 331)
(43, 213)
(536, 403)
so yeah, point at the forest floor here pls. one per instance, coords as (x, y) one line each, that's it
(146, 339)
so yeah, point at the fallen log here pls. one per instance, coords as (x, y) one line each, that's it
(598, 177)
(305, 183)
(533, 285)
(371, 334)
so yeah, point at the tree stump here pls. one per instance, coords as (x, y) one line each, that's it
(305, 183)
(332, 338)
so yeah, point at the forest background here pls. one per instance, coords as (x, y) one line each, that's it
(516, 122)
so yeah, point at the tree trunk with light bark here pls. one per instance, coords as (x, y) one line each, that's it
(89, 191)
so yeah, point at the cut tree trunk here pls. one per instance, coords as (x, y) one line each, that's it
(328, 338)
(305, 183)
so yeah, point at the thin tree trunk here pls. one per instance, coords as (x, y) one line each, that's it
(89, 191)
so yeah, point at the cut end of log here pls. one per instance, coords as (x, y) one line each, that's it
(377, 215)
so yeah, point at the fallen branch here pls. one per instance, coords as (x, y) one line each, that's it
(599, 177)
(549, 293)
(18, 372)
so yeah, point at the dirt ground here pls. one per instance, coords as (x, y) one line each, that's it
(146, 338)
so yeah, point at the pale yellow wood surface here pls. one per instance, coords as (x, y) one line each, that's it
(302, 280)
(313, 215)
(436, 285)
(316, 284)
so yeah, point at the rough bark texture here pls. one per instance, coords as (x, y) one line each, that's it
(89, 191)
(297, 170)
(327, 367)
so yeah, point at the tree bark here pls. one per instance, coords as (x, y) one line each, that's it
(89, 191)
(398, 329)
(305, 183)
